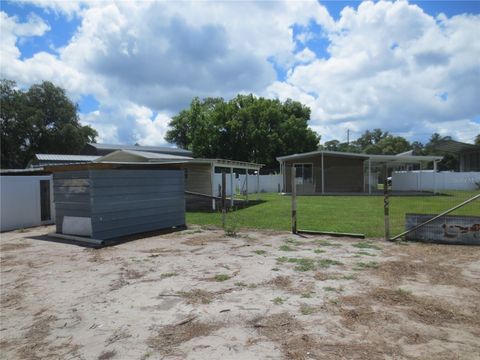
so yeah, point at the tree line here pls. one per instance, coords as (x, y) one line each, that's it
(245, 128)
(41, 119)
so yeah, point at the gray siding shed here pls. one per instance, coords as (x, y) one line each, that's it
(117, 203)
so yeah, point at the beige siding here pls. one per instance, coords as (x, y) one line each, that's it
(198, 178)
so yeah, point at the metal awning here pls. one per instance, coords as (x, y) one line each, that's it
(403, 158)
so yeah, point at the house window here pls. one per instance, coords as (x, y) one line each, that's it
(303, 173)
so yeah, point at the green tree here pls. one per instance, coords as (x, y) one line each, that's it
(477, 140)
(449, 161)
(41, 119)
(246, 128)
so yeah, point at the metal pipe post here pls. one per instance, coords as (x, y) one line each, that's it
(294, 203)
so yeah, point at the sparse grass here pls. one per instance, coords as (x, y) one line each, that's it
(366, 265)
(260, 252)
(335, 301)
(252, 286)
(282, 259)
(349, 277)
(366, 245)
(362, 253)
(286, 248)
(403, 292)
(306, 295)
(323, 242)
(240, 284)
(325, 263)
(222, 277)
(231, 230)
(293, 242)
(278, 300)
(331, 288)
(196, 296)
(167, 275)
(318, 251)
(275, 269)
(307, 310)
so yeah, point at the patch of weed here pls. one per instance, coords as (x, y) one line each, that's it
(282, 259)
(318, 251)
(366, 265)
(286, 248)
(240, 283)
(260, 252)
(307, 310)
(306, 295)
(331, 288)
(222, 277)
(252, 286)
(167, 275)
(349, 277)
(304, 265)
(361, 253)
(293, 242)
(366, 245)
(275, 269)
(325, 263)
(278, 300)
(323, 242)
(403, 292)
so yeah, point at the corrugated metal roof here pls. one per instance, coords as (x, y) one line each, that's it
(453, 146)
(158, 149)
(375, 158)
(64, 157)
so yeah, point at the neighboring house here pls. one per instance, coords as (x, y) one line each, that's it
(320, 172)
(104, 149)
(468, 154)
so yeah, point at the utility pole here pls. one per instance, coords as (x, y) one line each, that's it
(348, 136)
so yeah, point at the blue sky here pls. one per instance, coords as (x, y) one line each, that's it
(131, 66)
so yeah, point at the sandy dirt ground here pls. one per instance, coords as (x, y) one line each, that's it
(198, 294)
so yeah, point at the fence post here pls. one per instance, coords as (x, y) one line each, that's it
(386, 204)
(294, 202)
(224, 192)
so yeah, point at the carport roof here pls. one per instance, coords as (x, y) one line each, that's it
(403, 158)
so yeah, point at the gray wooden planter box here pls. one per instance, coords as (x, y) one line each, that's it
(107, 204)
(449, 229)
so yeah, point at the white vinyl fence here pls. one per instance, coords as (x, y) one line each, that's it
(20, 202)
(268, 183)
(434, 181)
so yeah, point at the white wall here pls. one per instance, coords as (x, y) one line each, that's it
(429, 180)
(20, 201)
(268, 183)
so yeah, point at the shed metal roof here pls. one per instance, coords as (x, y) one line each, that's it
(64, 157)
(157, 149)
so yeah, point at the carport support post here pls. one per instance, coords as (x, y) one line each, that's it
(370, 176)
(386, 204)
(246, 184)
(434, 177)
(224, 193)
(294, 203)
(323, 176)
(258, 184)
(213, 187)
(232, 192)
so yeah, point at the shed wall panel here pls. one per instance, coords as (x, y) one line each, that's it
(119, 209)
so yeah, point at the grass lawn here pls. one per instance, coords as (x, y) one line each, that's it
(357, 214)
